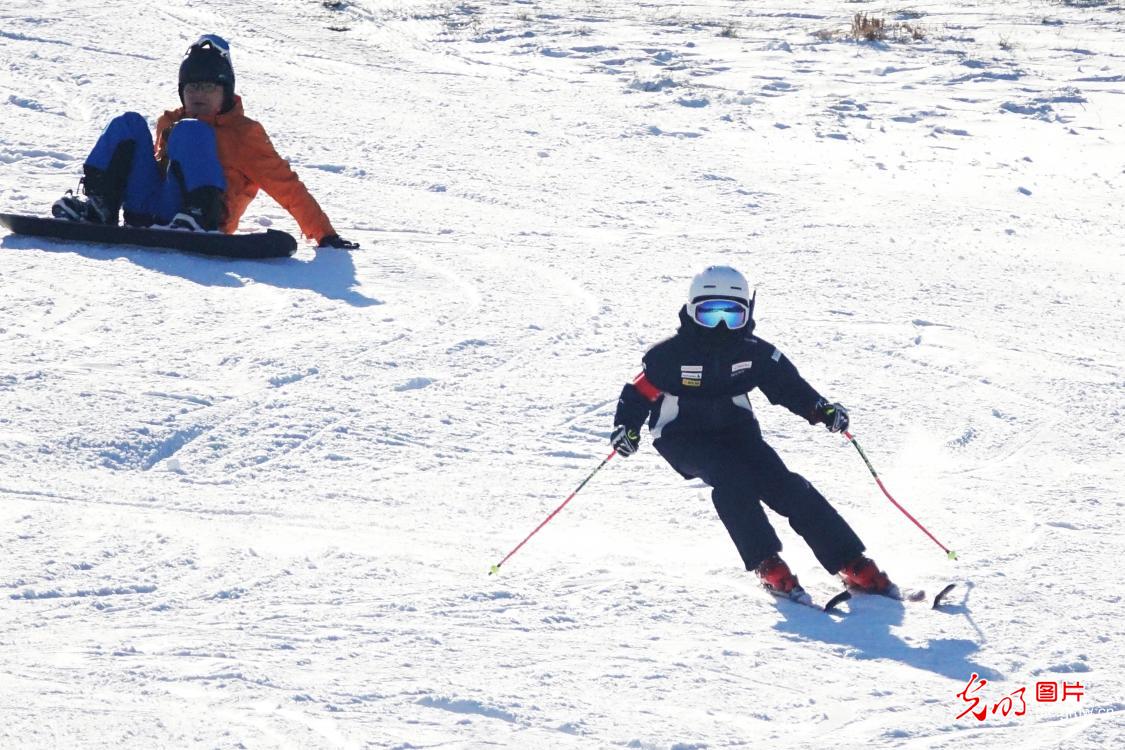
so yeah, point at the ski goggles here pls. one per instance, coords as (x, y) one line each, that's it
(213, 41)
(710, 312)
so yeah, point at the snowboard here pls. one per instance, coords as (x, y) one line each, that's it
(268, 244)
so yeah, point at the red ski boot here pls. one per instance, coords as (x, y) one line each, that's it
(780, 581)
(864, 575)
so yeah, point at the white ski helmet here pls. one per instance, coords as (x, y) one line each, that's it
(718, 282)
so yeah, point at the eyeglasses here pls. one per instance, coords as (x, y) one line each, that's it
(709, 313)
(202, 87)
(213, 41)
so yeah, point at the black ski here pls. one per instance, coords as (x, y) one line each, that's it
(913, 596)
(829, 607)
(941, 595)
(839, 598)
(268, 244)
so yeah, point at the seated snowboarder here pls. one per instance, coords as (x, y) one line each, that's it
(208, 163)
(693, 392)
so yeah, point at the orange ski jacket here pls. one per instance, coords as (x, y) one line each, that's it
(250, 163)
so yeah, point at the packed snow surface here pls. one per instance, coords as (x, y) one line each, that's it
(254, 504)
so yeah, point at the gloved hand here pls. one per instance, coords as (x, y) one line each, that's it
(336, 241)
(832, 416)
(625, 440)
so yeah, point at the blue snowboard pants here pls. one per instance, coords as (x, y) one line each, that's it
(193, 163)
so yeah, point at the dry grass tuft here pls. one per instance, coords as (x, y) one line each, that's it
(867, 28)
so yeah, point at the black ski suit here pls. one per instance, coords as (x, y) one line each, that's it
(693, 392)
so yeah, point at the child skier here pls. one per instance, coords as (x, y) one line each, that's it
(208, 163)
(693, 392)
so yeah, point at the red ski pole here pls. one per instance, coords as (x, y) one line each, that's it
(948, 552)
(496, 568)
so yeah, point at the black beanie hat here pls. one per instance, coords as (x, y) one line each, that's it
(208, 61)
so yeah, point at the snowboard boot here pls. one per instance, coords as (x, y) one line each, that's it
(104, 190)
(100, 206)
(202, 211)
(779, 580)
(864, 575)
(92, 209)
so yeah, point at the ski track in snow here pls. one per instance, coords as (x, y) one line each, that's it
(253, 504)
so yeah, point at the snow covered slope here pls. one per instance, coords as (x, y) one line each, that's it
(253, 504)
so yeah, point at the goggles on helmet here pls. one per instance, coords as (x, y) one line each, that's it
(214, 42)
(709, 313)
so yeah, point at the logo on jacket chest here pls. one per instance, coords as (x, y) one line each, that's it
(738, 367)
(691, 375)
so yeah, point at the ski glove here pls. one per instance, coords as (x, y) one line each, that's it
(832, 416)
(625, 440)
(336, 241)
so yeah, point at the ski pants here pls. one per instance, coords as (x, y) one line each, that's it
(744, 472)
(193, 163)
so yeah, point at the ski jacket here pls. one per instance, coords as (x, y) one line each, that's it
(250, 163)
(695, 384)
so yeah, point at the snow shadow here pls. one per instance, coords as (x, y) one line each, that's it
(330, 273)
(865, 633)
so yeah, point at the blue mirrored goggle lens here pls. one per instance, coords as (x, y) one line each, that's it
(710, 313)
